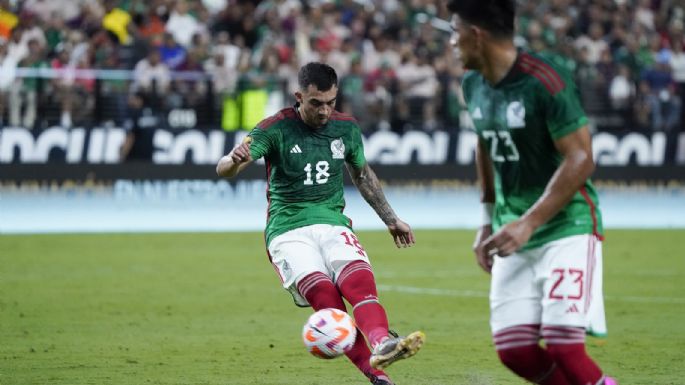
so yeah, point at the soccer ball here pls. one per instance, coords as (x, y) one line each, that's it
(329, 333)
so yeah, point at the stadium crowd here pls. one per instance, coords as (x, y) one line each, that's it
(396, 66)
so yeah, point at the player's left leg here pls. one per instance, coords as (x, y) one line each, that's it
(355, 280)
(360, 353)
(571, 271)
(320, 291)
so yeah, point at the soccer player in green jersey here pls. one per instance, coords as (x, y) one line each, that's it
(542, 230)
(310, 241)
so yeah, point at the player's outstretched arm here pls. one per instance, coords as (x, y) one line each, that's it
(235, 161)
(370, 188)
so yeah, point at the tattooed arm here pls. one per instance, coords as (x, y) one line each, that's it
(370, 188)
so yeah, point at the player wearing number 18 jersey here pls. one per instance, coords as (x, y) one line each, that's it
(305, 169)
(310, 241)
(542, 230)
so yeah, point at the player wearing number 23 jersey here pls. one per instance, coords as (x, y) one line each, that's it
(517, 120)
(541, 234)
(310, 241)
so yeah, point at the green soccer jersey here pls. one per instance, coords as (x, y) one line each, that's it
(518, 120)
(304, 168)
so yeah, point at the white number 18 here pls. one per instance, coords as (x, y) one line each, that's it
(321, 176)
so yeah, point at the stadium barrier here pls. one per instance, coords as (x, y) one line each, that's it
(80, 155)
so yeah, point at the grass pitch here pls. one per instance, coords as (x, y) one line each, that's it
(208, 309)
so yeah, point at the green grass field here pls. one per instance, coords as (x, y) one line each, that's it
(208, 309)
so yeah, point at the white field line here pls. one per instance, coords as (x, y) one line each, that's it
(483, 294)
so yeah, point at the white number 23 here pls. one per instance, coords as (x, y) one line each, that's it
(509, 153)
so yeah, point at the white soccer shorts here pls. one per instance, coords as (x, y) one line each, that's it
(324, 248)
(559, 283)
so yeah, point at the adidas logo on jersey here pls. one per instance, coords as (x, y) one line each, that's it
(296, 149)
(477, 114)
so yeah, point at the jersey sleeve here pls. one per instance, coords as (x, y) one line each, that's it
(564, 113)
(354, 154)
(263, 142)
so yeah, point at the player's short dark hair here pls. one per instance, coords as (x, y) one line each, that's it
(495, 16)
(320, 75)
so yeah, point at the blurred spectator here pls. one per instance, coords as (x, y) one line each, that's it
(8, 20)
(230, 51)
(224, 79)
(340, 57)
(31, 30)
(192, 92)
(643, 107)
(8, 68)
(677, 64)
(140, 128)
(150, 24)
(63, 84)
(17, 48)
(666, 110)
(593, 43)
(24, 93)
(65, 9)
(172, 54)
(351, 86)
(644, 15)
(181, 24)
(379, 87)
(378, 51)
(214, 6)
(417, 87)
(664, 103)
(55, 32)
(590, 83)
(622, 89)
(117, 21)
(616, 50)
(151, 76)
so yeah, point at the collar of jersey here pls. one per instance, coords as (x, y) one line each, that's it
(513, 73)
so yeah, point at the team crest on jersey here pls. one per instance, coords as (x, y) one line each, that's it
(338, 149)
(516, 115)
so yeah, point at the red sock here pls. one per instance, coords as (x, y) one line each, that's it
(357, 285)
(318, 289)
(321, 293)
(567, 346)
(519, 351)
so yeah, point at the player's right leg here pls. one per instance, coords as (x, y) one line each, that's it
(354, 278)
(515, 313)
(573, 305)
(296, 258)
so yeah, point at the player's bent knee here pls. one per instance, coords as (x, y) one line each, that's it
(357, 284)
